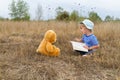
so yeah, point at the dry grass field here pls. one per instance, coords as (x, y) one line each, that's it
(19, 61)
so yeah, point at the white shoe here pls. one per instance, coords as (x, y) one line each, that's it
(84, 55)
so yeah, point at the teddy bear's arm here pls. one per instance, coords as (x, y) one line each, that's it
(50, 47)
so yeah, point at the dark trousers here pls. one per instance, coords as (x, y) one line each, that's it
(85, 53)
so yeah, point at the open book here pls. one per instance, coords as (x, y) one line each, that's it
(78, 46)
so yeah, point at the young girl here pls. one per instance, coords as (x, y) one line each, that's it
(88, 37)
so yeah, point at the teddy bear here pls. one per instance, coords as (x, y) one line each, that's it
(46, 46)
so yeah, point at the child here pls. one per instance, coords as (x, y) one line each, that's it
(88, 37)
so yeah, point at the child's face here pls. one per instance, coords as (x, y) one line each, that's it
(83, 28)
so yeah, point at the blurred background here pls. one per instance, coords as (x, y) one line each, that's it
(51, 9)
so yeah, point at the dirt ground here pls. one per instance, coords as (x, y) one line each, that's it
(19, 61)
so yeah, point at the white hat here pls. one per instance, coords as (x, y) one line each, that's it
(89, 24)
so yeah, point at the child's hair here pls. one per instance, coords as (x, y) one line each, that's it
(86, 27)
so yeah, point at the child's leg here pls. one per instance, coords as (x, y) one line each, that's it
(81, 52)
(85, 53)
(90, 52)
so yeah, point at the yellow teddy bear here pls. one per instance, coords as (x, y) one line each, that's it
(46, 46)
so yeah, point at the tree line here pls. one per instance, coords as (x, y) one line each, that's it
(19, 10)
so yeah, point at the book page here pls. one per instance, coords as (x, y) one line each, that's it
(78, 46)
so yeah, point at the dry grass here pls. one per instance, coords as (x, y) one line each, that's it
(19, 61)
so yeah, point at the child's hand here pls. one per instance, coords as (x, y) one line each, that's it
(76, 39)
(86, 47)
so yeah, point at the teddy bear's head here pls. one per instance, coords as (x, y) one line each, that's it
(50, 36)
